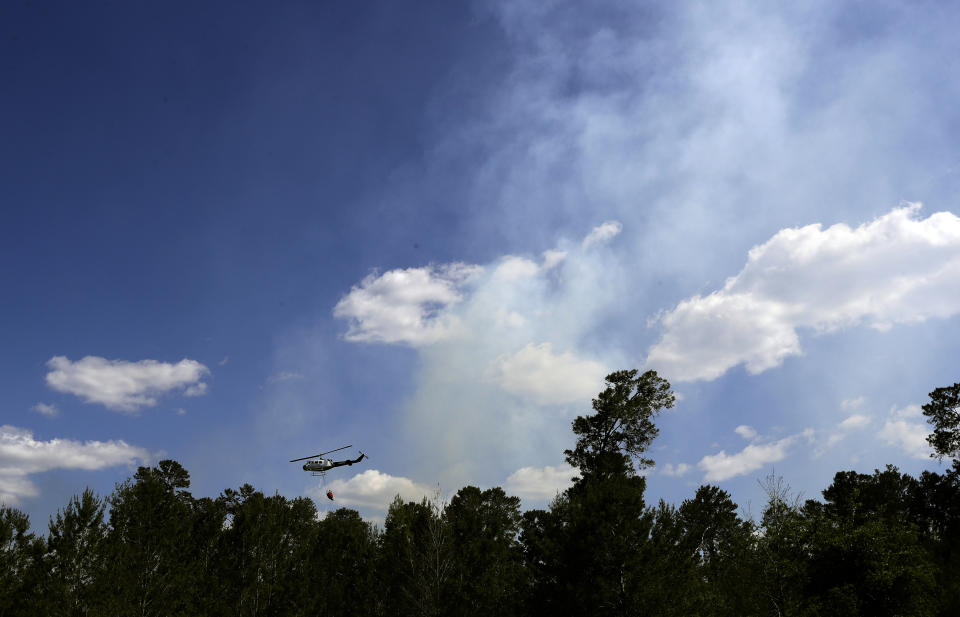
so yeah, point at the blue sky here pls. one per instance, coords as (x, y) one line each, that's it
(237, 235)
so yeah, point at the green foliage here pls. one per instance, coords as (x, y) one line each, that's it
(867, 556)
(672, 584)
(943, 412)
(75, 555)
(855, 498)
(266, 551)
(783, 546)
(622, 427)
(935, 510)
(590, 548)
(19, 553)
(722, 546)
(416, 561)
(149, 570)
(487, 575)
(207, 550)
(341, 571)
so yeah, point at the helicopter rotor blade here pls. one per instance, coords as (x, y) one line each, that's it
(316, 455)
(294, 460)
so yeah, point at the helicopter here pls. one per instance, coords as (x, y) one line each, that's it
(319, 466)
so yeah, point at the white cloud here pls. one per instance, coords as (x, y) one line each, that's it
(21, 455)
(853, 403)
(722, 466)
(894, 269)
(552, 258)
(513, 268)
(675, 471)
(124, 386)
(855, 422)
(405, 305)
(540, 483)
(851, 423)
(14, 488)
(197, 389)
(535, 372)
(747, 432)
(686, 126)
(372, 489)
(44, 409)
(602, 233)
(515, 373)
(906, 429)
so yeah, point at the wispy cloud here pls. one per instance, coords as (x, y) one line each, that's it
(552, 257)
(905, 428)
(853, 403)
(675, 471)
(855, 422)
(125, 386)
(840, 432)
(602, 233)
(284, 376)
(21, 455)
(894, 269)
(693, 118)
(722, 466)
(44, 409)
(197, 389)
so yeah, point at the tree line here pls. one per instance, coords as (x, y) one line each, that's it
(880, 544)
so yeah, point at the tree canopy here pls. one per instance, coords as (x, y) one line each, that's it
(879, 544)
(622, 428)
(943, 413)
